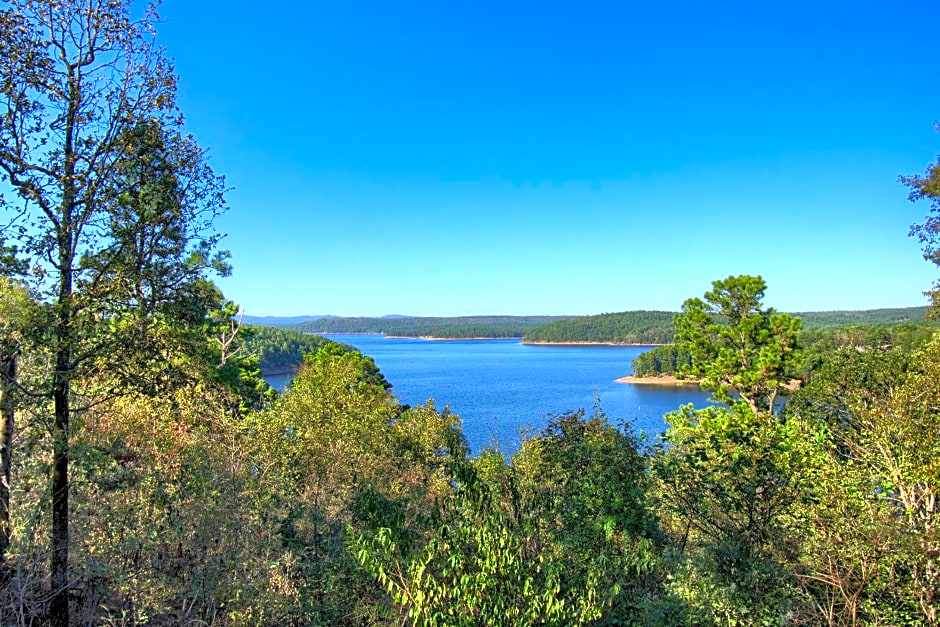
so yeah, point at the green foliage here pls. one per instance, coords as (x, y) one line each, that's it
(279, 350)
(452, 328)
(732, 477)
(815, 345)
(201, 498)
(927, 187)
(336, 439)
(656, 327)
(113, 213)
(662, 360)
(19, 315)
(735, 345)
(582, 485)
(629, 327)
(461, 331)
(730, 483)
(818, 345)
(500, 549)
(862, 318)
(870, 539)
(192, 510)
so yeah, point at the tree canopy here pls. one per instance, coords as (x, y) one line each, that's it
(114, 206)
(735, 345)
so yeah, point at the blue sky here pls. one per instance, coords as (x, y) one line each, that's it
(495, 157)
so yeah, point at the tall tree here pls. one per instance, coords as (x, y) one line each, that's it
(77, 81)
(735, 344)
(731, 477)
(927, 187)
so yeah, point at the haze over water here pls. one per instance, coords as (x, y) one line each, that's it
(501, 386)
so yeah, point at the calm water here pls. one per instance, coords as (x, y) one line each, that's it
(500, 386)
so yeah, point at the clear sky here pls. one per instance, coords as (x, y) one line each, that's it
(448, 158)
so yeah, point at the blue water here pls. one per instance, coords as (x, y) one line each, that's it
(499, 387)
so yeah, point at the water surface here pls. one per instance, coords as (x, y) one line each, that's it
(501, 386)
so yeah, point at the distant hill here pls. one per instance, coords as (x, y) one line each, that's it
(627, 327)
(436, 327)
(281, 321)
(655, 327)
(825, 319)
(280, 350)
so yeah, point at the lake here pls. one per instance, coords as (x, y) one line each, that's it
(499, 387)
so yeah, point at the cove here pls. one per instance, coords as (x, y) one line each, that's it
(500, 387)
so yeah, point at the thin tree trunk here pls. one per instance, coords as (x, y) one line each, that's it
(7, 415)
(59, 604)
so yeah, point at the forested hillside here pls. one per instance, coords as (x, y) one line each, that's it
(662, 360)
(456, 327)
(656, 327)
(629, 327)
(865, 317)
(280, 350)
(279, 321)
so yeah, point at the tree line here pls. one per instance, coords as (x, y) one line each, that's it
(629, 327)
(280, 350)
(815, 345)
(656, 327)
(443, 327)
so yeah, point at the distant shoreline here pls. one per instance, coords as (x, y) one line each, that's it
(658, 380)
(414, 337)
(478, 338)
(322, 333)
(592, 344)
(445, 339)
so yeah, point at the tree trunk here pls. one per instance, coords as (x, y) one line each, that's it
(7, 377)
(59, 604)
(61, 387)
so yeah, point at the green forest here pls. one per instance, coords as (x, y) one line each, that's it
(815, 344)
(870, 317)
(453, 327)
(279, 350)
(629, 327)
(656, 327)
(151, 477)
